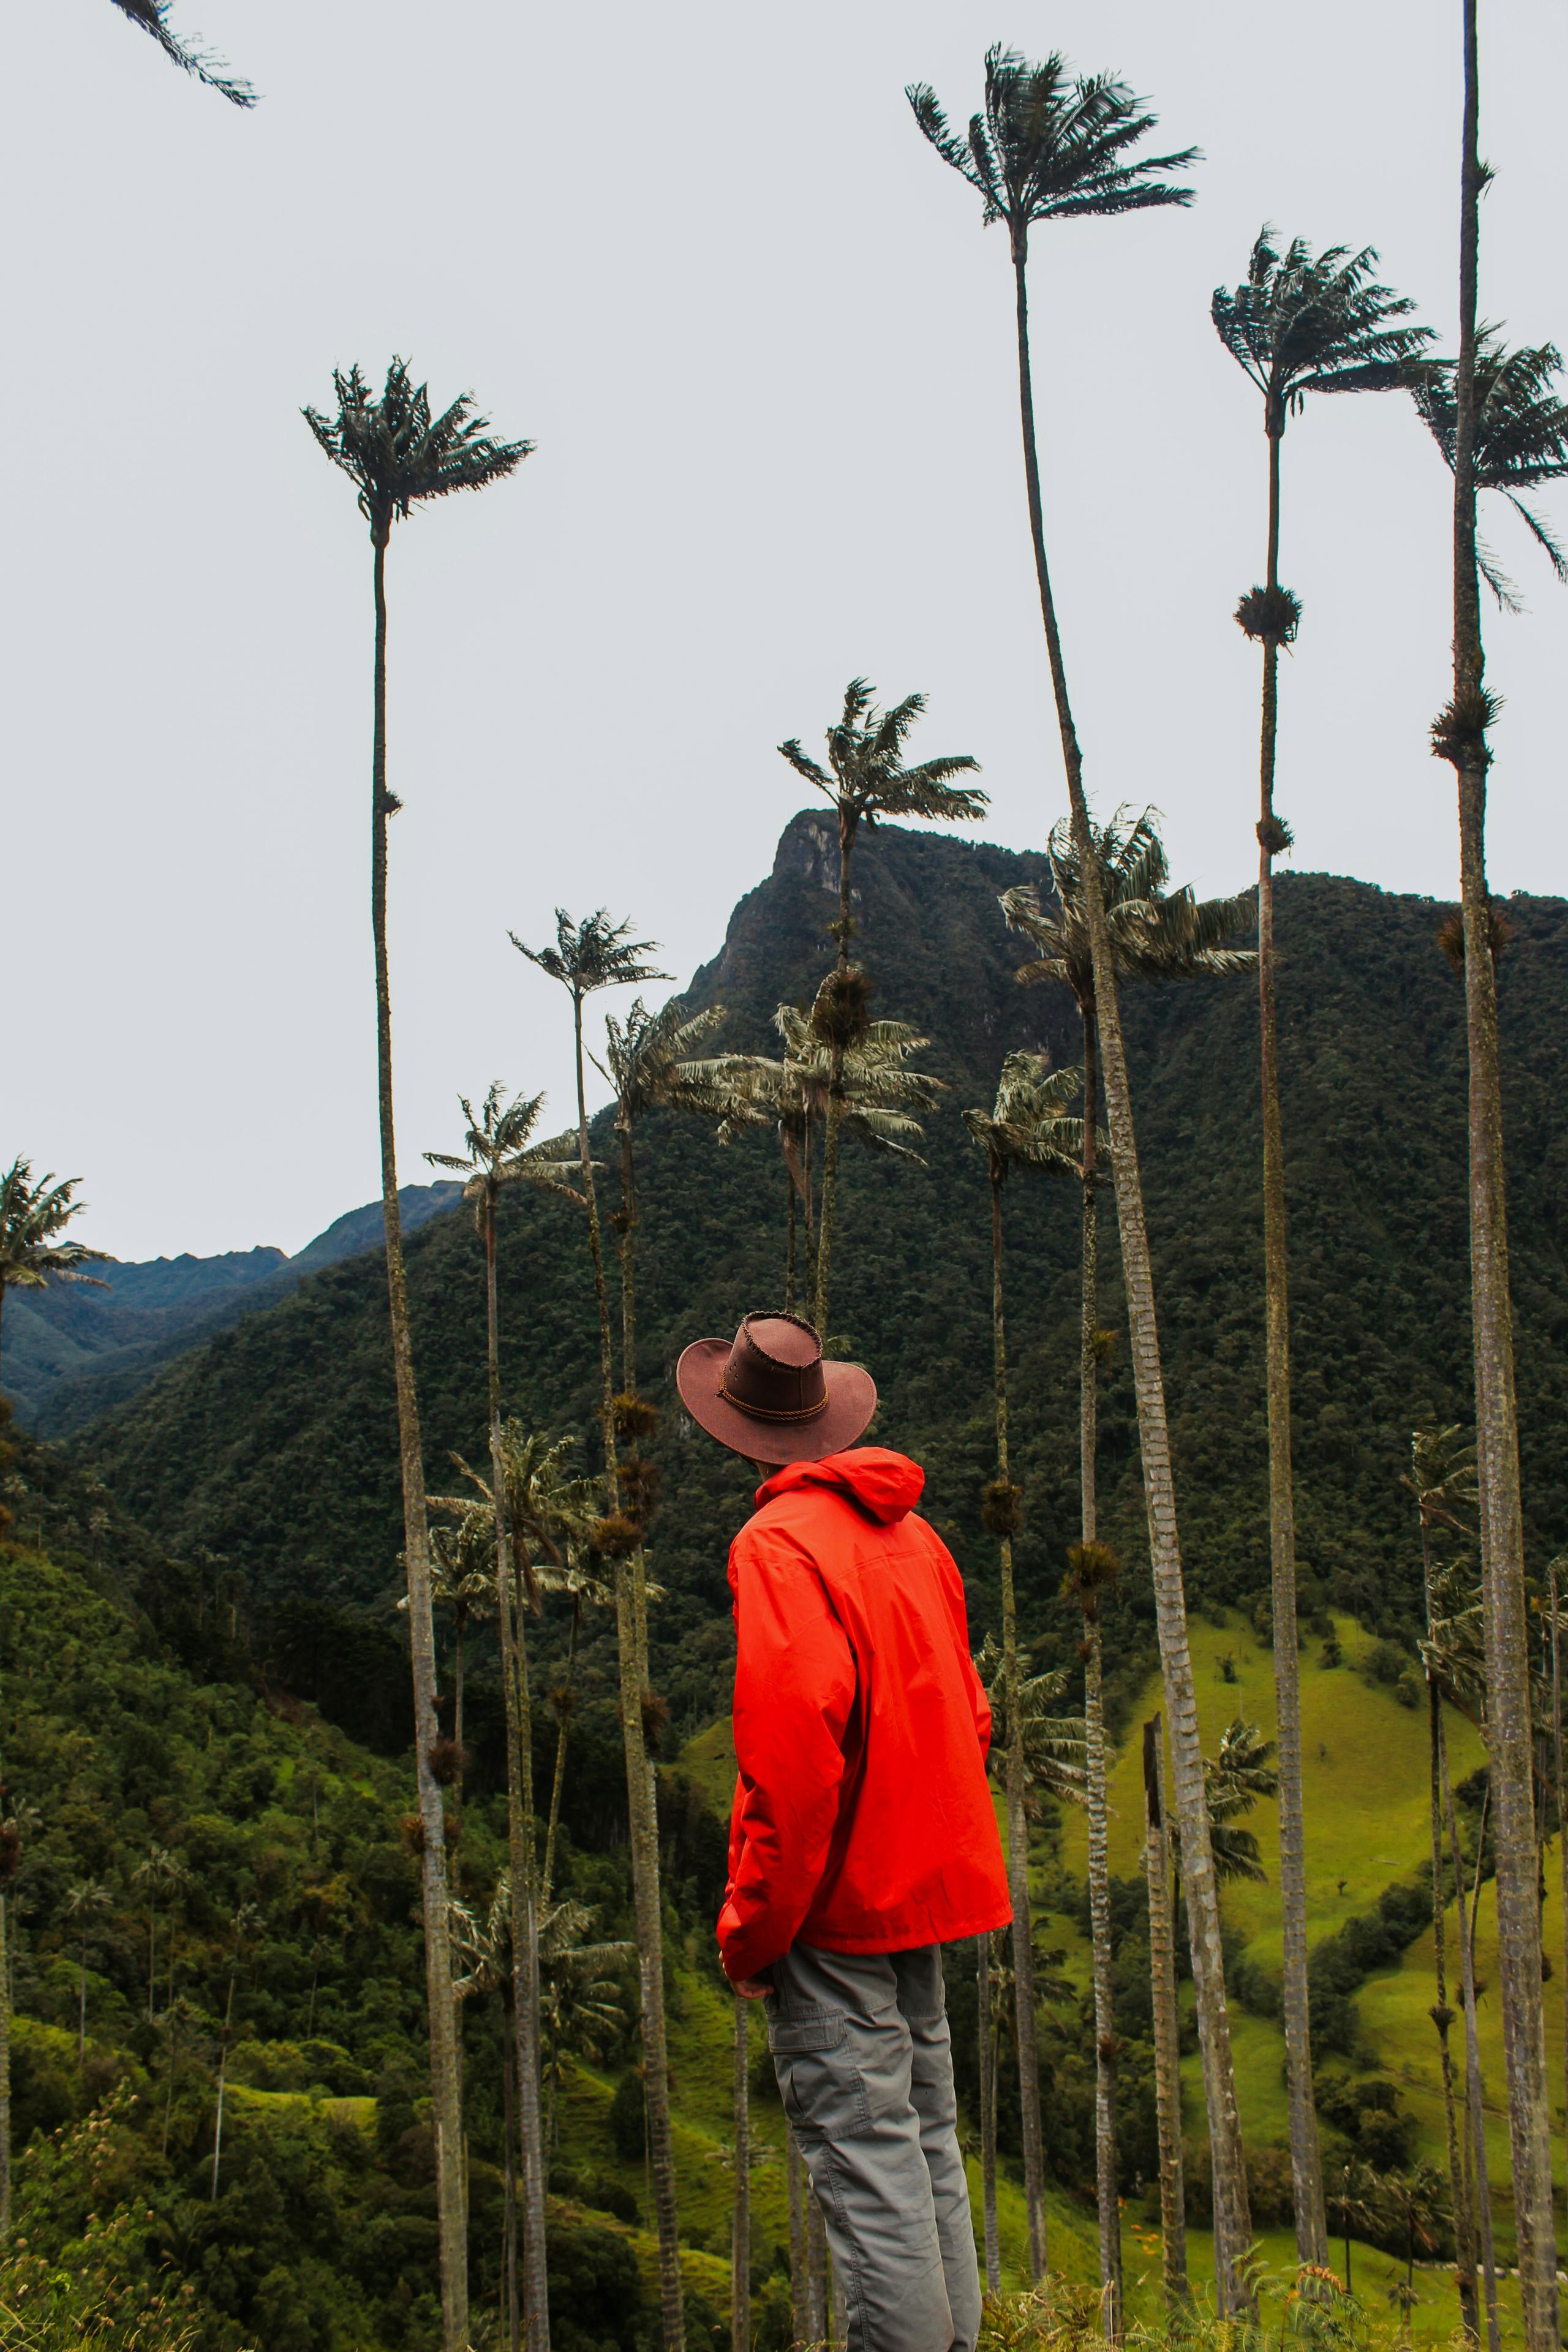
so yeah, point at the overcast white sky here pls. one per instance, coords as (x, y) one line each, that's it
(701, 255)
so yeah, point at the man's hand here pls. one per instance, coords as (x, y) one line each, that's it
(749, 1987)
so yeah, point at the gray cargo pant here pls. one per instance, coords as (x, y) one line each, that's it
(860, 2046)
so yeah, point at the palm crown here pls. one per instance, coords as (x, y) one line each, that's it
(550, 1511)
(397, 454)
(1305, 323)
(651, 1063)
(1051, 145)
(1521, 436)
(153, 15)
(32, 1218)
(1028, 1126)
(592, 954)
(498, 1151)
(1153, 932)
(867, 776)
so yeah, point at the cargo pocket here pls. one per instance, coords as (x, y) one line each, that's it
(819, 2082)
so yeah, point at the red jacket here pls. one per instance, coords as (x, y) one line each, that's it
(862, 1820)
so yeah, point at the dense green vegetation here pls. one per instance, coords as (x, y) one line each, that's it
(273, 1446)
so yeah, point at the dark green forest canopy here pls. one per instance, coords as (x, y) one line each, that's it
(274, 1446)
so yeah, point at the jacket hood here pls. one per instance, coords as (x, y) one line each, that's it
(887, 1485)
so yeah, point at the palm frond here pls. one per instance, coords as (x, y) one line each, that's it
(397, 455)
(152, 16)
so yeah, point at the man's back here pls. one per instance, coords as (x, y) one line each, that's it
(863, 1822)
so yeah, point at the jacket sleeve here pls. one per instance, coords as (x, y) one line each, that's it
(794, 1689)
(958, 1611)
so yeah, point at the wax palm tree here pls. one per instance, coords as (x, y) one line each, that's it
(1155, 933)
(400, 455)
(462, 1586)
(1234, 1778)
(14, 1828)
(1442, 1477)
(1166, 2017)
(580, 1990)
(1519, 440)
(498, 1151)
(1358, 2203)
(1299, 324)
(34, 1215)
(1027, 1126)
(741, 2216)
(1459, 735)
(153, 15)
(585, 957)
(1046, 146)
(481, 1960)
(580, 1576)
(244, 1929)
(1092, 1570)
(867, 777)
(160, 1870)
(852, 1073)
(652, 1064)
(1416, 2206)
(1556, 1569)
(878, 1097)
(86, 1900)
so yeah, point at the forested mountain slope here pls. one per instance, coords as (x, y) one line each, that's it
(73, 1350)
(275, 1444)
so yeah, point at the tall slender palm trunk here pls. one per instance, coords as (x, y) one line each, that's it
(450, 2200)
(629, 1374)
(511, 2308)
(834, 1098)
(789, 1242)
(4, 2072)
(1167, 2024)
(1442, 2017)
(987, 2116)
(1232, 2225)
(741, 2231)
(1562, 1816)
(522, 1842)
(1509, 1728)
(1475, 2104)
(564, 1705)
(1306, 2166)
(1107, 2199)
(1017, 1828)
(642, 1820)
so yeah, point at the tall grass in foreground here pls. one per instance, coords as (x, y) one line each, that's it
(1307, 2308)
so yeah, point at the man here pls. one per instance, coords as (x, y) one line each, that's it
(863, 1836)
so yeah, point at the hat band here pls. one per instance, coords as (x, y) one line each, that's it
(762, 1412)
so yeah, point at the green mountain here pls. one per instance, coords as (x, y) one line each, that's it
(74, 1349)
(273, 1445)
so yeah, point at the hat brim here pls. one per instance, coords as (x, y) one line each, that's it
(851, 1402)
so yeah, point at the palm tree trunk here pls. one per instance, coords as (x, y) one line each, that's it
(1017, 1828)
(565, 1703)
(1094, 1726)
(1233, 2224)
(449, 2199)
(1306, 2168)
(642, 1820)
(1167, 2026)
(799, 2292)
(1562, 1818)
(807, 1199)
(510, 2307)
(1509, 1733)
(222, 2087)
(81, 2007)
(1104, 2008)
(740, 2237)
(4, 2074)
(829, 1193)
(1464, 2220)
(1475, 2104)
(789, 1240)
(629, 1381)
(987, 2117)
(521, 1851)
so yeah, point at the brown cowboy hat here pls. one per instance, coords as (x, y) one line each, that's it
(770, 1395)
